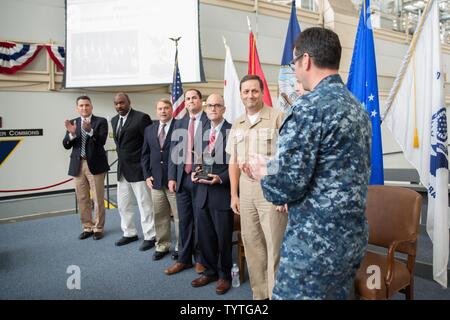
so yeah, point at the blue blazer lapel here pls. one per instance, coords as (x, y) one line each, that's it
(205, 121)
(169, 134)
(154, 133)
(221, 139)
(93, 121)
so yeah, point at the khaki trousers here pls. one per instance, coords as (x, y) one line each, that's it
(85, 182)
(164, 205)
(262, 230)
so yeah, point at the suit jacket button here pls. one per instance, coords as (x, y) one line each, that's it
(161, 151)
(162, 162)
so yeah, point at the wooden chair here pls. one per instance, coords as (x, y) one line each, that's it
(393, 214)
(240, 247)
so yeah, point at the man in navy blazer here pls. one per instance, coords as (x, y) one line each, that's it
(212, 202)
(154, 160)
(186, 144)
(128, 131)
(86, 136)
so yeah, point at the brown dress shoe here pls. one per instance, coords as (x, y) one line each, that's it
(199, 268)
(177, 267)
(223, 286)
(203, 281)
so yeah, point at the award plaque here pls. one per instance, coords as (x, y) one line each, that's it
(205, 167)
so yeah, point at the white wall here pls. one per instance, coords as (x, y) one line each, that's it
(32, 20)
(41, 161)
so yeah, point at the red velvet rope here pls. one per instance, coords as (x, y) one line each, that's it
(36, 189)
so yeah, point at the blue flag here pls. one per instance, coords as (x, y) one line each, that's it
(286, 78)
(362, 82)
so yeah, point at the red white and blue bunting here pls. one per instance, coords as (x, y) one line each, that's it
(57, 54)
(16, 56)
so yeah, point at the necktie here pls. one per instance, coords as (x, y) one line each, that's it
(83, 140)
(162, 135)
(212, 140)
(119, 128)
(190, 146)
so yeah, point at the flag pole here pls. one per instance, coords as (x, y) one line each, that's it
(398, 82)
(176, 50)
(176, 41)
(252, 49)
(256, 17)
(416, 132)
(365, 13)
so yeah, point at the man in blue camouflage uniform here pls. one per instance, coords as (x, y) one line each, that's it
(321, 170)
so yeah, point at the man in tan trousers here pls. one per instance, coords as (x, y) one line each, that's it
(154, 160)
(86, 136)
(262, 223)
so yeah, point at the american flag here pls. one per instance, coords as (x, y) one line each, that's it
(177, 92)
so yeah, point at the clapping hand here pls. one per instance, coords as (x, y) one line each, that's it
(87, 126)
(70, 127)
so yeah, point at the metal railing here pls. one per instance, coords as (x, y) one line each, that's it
(107, 185)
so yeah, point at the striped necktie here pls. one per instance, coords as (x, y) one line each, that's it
(83, 140)
(212, 140)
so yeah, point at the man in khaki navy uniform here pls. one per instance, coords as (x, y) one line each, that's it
(262, 223)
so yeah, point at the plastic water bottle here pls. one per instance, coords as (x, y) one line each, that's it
(235, 282)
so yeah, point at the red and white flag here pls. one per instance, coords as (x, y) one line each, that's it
(231, 92)
(254, 67)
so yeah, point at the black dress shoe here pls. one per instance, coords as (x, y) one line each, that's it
(147, 244)
(126, 240)
(85, 235)
(158, 255)
(175, 255)
(97, 235)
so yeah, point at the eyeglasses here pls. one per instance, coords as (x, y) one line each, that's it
(212, 106)
(292, 63)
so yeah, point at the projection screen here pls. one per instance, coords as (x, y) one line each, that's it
(126, 42)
